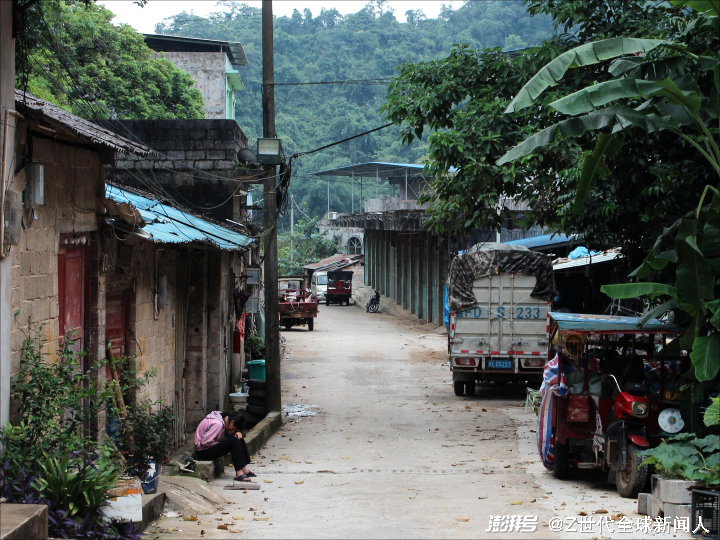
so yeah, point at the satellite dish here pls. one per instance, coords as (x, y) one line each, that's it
(670, 421)
(247, 156)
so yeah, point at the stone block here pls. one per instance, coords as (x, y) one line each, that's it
(206, 144)
(225, 164)
(204, 165)
(673, 511)
(195, 154)
(24, 521)
(175, 154)
(224, 145)
(205, 470)
(656, 508)
(218, 154)
(644, 500)
(672, 491)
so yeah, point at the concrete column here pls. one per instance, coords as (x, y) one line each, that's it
(196, 347)
(95, 342)
(7, 102)
(400, 270)
(368, 257)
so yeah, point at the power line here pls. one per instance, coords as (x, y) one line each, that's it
(365, 82)
(344, 140)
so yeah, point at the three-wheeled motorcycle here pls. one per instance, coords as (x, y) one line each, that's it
(610, 390)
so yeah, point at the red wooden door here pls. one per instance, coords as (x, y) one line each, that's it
(115, 324)
(71, 285)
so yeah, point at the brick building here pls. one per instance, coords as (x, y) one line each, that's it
(120, 267)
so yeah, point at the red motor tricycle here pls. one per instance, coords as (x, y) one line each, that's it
(612, 392)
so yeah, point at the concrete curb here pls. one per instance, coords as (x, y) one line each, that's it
(261, 433)
(23, 521)
(152, 508)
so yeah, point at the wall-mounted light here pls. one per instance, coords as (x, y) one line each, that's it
(269, 151)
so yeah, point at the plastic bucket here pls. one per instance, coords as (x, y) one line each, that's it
(256, 369)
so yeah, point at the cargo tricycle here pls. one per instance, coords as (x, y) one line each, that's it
(610, 390)
(297, 306)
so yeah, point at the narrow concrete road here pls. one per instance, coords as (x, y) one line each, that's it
(392, 452)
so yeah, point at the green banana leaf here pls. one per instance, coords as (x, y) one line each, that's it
(706, 7)
(584, 55)
(616, 117)
(607, 145)
(705, 357)
(598, 95)
(657, 312)
(638, 67)
(633, 290)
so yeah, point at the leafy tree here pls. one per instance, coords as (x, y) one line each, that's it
(72, 55)
(462, 99)
(327, 46)
(309, 246)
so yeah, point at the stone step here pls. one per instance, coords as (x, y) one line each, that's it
(152, 508)
(23, 521)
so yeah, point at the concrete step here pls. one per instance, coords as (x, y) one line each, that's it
(23, 521)
(255, 439)
(152, 508)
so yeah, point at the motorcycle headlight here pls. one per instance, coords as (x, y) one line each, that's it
(640, 410)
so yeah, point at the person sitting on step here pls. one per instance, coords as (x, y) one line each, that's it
(210, 443)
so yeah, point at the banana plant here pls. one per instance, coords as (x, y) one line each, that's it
(690, 247)
(670, 98)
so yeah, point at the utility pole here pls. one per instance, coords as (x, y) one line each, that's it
(328, 181)
(272, 326)
(352, 193)
(292, 227)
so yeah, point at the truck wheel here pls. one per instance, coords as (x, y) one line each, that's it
(459, 387)
(560, 469)
(327, 301)
(629, 482)
(470, 388)
(287, 326)
(311, 325)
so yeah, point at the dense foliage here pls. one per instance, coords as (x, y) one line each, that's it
(52, 456)
(72, 55)
(369, 44)
(462, 98)
(308, 245)
(687, 457)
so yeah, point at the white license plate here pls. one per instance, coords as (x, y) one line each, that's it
(499, 364)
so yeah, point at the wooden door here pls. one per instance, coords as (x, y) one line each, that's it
(71, 292)
(116, 324)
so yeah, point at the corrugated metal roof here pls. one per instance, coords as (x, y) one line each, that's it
(332, 259)
(34, 106)
(544, 240)
(583, 261)
(391, 171)
(168, 225)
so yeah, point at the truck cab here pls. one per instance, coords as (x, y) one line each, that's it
(318, 285)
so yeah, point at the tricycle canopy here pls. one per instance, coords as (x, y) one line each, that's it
(610, 324)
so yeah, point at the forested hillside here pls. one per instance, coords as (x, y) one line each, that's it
(327, 46)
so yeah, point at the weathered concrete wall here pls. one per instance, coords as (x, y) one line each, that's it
(209, 72)
(208, 146)
(68, 216)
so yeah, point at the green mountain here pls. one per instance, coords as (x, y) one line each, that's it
(366, 45)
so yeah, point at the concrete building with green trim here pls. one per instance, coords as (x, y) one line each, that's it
(214, 66)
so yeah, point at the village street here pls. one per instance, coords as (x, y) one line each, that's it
(392, 452)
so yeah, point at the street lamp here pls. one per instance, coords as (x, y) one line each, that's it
(269, 151)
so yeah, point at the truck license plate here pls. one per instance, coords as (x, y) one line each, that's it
(499, 364)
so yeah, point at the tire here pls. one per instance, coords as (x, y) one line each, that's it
(311, 325)
(256, 401)
(347, 302)
(287, 326)
(373, 308)
(560, 465)
(470, 388)
(631, 481)
(256, 383)
(256, 411)
(256, 392)
(327, 301)
(459, 387)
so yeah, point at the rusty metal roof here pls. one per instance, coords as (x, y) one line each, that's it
(30, 105)
(334, 262)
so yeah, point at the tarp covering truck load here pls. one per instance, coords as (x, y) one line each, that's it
(498, 295)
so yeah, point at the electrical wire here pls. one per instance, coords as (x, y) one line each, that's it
(342, 141)
(361, 82)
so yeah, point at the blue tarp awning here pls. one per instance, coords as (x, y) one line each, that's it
(544, 240)
(166, 224)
